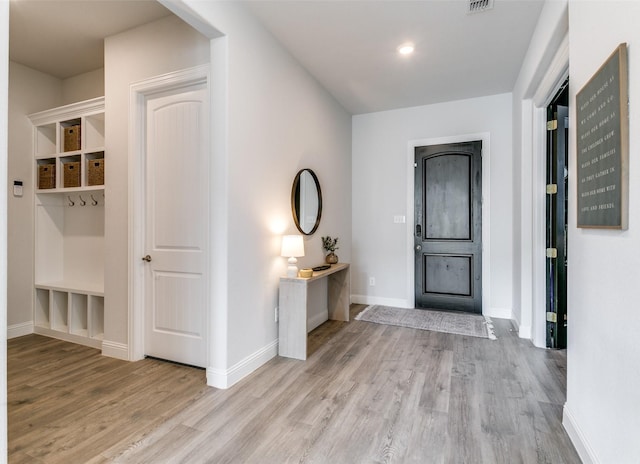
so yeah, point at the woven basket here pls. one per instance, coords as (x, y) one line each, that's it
(71, 174)
(46, 176)
(72, 138)
(95, 171)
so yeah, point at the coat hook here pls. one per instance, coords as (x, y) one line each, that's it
(94, 202)
(82, 202)
(71, 202)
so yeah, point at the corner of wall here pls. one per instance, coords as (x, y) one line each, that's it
(224, 379)
(586, 453)
(115, 350)
(19, 330)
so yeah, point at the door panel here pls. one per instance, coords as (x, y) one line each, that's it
(448, 274)
(448, 229)
(176, 224)
(448, 201)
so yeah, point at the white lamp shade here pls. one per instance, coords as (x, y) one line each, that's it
(292, 246)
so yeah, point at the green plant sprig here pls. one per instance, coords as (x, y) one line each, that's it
(330, 244)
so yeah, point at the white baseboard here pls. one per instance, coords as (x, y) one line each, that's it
(220, 378)
(578, 439)
(500, 313)
(525, 331)
(18, 330)
(376, 300)
(115, 350)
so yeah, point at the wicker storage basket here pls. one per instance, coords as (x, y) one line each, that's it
(72, 138)
(71, 174)
(95, 171)
(46, 176)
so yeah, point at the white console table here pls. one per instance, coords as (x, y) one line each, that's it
(295, 299)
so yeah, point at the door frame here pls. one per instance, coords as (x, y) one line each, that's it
(533, 323)
(139, 92)
(485, 137)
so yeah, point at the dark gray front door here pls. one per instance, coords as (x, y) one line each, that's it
(448, 228)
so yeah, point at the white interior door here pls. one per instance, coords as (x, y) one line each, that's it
(176, 225)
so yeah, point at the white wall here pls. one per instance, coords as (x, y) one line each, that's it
(4, 111)
(83, 86)
(30, 91)
(150, 50)
(279, 120)
(603, 385)
(380, 144)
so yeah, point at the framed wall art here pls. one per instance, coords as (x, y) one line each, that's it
(602, 120)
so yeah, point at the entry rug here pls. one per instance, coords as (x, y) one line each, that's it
(473, 325)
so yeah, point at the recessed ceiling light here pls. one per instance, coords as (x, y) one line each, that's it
(406, 49)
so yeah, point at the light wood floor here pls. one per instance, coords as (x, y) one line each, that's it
(367, 394)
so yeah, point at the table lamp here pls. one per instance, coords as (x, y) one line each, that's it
(292, 247)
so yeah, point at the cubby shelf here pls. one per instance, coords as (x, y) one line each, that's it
(53, 147)
(69, 223)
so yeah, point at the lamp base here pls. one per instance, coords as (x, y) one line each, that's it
(292, 269)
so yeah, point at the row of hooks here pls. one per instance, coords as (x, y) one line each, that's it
(82, 202)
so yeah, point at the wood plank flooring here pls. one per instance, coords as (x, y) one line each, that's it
(367, 394)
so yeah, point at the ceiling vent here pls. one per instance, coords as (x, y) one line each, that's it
(478, 6)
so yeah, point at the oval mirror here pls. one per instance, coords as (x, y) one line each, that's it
(306, 201)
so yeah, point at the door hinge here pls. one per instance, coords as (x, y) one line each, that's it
(415, 165)
(552, 125)
(552, 188)
(552, 317)
(552, 252)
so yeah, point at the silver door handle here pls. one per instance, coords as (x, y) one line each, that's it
(418, 247)
(147, 258)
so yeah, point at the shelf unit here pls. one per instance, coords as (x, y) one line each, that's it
(69, 222)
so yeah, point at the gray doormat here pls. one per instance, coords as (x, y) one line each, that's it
(474, 325)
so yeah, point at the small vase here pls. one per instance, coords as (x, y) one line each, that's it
(331, 258)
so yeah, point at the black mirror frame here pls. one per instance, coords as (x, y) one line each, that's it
(296, 181)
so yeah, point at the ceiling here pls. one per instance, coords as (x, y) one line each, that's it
(66, 38)
(349, 46)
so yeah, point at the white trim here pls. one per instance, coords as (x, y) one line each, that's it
(499, 313)
(377, 300)
(139, 92)
(115, 350)
(584, 450)
(557, 73)
(524, 331)
(485, 137)
(227, 378)
(19, 330)
(4, 114)
(190, 17)
(69, 337)
(87, 108)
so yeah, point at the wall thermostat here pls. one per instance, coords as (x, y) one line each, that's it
(17, 188)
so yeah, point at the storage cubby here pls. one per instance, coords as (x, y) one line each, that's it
(94, 131)
(46, 174)
(70, 135)
(69, 222)
(59, 311)
(94, 171)
(97, 317)
(78, 315)
(41, 316)
(70, 171)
